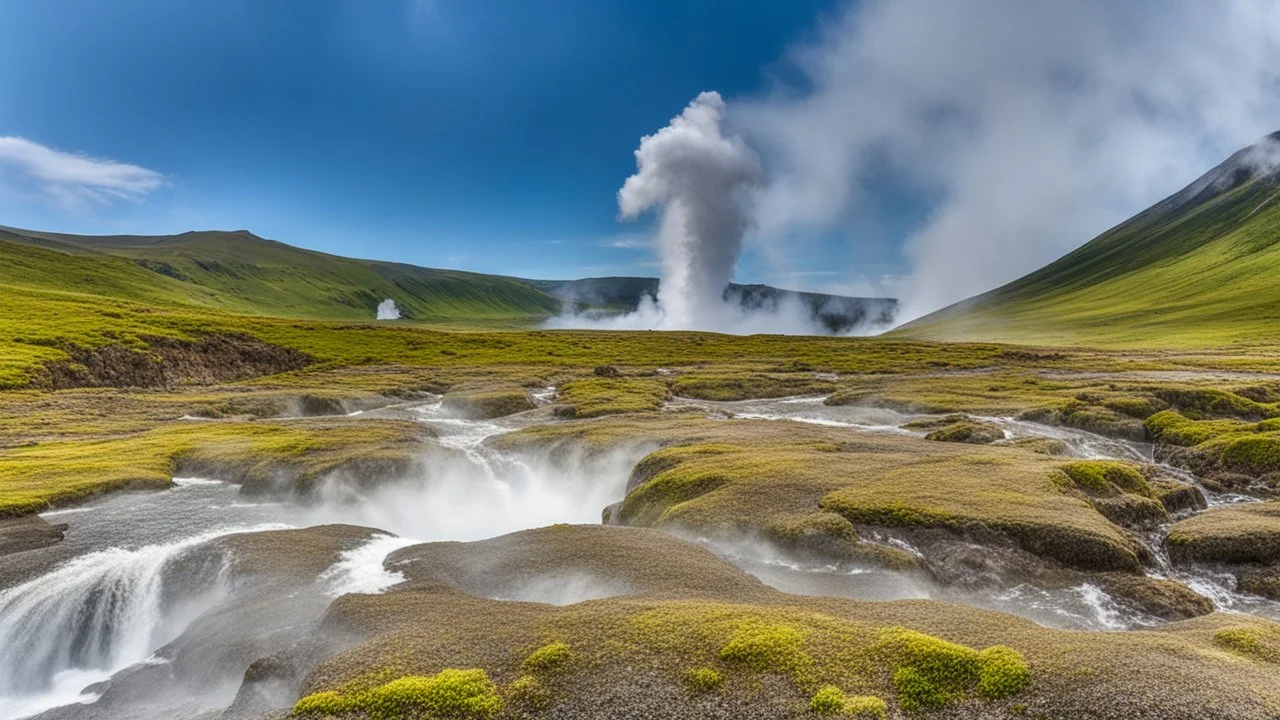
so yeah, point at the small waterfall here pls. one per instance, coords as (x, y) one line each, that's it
(95, 615)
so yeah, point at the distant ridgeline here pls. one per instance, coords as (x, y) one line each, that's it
(606, 296)
(243, 273)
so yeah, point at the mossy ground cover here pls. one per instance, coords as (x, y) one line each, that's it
(782, 480)
(1245, 533)
(486, 404)
(757, 653)
(38, 476)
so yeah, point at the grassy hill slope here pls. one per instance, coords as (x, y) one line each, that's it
(1201, 268)
(240, 272)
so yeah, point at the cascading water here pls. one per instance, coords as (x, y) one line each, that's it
(94, 615)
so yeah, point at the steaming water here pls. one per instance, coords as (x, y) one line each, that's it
(118, 599)
(1081, 606)
(121, 596)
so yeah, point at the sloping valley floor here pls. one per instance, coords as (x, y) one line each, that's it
(1037, 534)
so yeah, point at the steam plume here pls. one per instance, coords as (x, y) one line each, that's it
(387, 310)
(1024, 127)
(695, 177)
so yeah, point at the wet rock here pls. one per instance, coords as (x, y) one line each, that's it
(1261, 580)
(28, 533)
(1161, 598)
(487, 404)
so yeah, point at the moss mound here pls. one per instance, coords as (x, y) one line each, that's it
(806, 487)
(450, 694)
(1252, 642)
(596, 396)
(768, 648)
(967, 431)
(1247, 533)
(552, 656)
(748, 386)
(703, 679)
(831, 700)
(1084, 416)
(607, 560)
(930, 673)
(487, 404)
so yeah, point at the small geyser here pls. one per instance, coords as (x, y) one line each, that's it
(387, 310)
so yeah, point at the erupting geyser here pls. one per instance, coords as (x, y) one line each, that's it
(387, 310)
(696, 177)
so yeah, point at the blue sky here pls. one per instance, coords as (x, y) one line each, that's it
(489, 135)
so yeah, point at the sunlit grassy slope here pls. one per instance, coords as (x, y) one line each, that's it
(241, 272)
(1200, 269)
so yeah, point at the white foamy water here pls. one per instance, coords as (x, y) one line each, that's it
(92, 616)
(361, 569)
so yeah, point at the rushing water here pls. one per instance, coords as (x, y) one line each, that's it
(130, 585)
(126, 592)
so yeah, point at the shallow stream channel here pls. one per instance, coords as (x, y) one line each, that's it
(141, 580)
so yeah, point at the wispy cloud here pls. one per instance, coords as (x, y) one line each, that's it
(73, 180)
(628, 241)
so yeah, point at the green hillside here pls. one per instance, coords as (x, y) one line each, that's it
(240, 272)
(1201, 268)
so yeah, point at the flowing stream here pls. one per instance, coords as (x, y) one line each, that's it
(1083, 605)
(125, 581)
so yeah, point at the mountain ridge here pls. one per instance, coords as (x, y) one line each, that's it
(242, 272)
(1195, 268)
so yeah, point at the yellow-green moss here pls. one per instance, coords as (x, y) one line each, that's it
(528, 690)
(767, 648)
(452, 694)
(596, 396)
(485, 404)
(1002, 671)
(1107, 477)
(1250, 642)
(930, 673)
(703, 679)
(831, 700)
(551, 656)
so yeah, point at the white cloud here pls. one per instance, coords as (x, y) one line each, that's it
(72, 180)
(1035, 123)
(628, 241)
